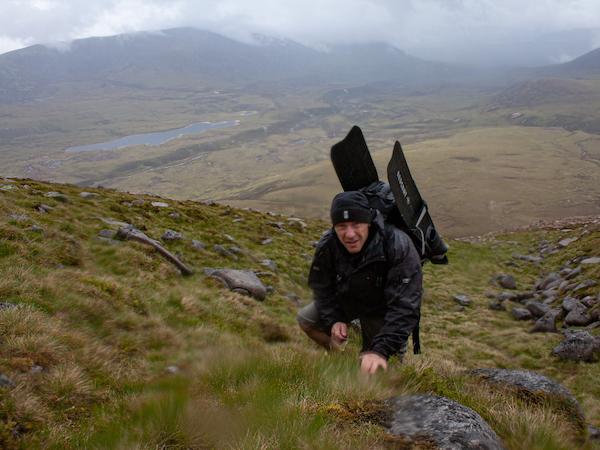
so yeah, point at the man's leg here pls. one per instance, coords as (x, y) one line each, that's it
(308, 319)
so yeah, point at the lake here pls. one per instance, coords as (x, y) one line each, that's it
(156, 138)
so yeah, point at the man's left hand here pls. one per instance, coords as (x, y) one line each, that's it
(370, 363)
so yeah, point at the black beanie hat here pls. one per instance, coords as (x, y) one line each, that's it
(351, 206)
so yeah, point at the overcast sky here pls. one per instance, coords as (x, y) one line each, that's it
(442, 29)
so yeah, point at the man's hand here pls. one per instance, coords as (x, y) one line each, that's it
(339, 335)
(371, 362)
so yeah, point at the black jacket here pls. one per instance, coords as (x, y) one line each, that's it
(383, 280)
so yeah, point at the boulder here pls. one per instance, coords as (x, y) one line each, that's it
(507, 281)
(573, 273)
(57, 196)
(197, 245)
(171, 235)
(504, 296)
(160, 204)
(521, 314)
(578, 316)
(439, 423)
(585, 284)
(537, 309)
(242, 281)
(566, 242)
(88, 195)
(267, 241)
(547, 323)
(593, 433)
(578, 346)
(569, 303)
(528, 258)
(44, 209)
(223, 251)
(7, 305)
(462, 300)
(532, 386)
(544, 282)
(5, 381)
(496, 305)
(269, 264)
(592, 260)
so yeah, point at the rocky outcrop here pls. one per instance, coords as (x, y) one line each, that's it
(242, 281)
(437, 422)
(532, 386)
(578, 346)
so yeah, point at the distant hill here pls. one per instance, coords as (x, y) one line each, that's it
(587, 65)
(187, 57)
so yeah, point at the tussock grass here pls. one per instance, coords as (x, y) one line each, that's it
(109, 347)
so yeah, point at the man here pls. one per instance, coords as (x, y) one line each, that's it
(368, 270)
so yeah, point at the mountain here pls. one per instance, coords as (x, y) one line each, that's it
(187, 57)
(585, 66)
(106, 345)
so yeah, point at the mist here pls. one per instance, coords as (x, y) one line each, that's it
(481, 32)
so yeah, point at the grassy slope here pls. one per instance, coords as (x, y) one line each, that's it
(100, 324)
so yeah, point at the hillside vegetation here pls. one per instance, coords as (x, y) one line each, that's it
(106, 345)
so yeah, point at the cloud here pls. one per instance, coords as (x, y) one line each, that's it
(438, 26)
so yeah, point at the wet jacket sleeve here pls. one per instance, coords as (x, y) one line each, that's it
(403, 291)
(321, 280)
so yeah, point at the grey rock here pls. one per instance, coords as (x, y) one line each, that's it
(578, 316)
(107, 234)
(44, 209)
(197, 245)
(563, 286)
(19, 218)
(36, 229)
(496, 305)
(238, 220)
(507, 281)
(549, 300)
(537, 309)
(57, 196)
(528, 380)
(504, 296)
(592, 260)
(593, 433)
(171, 235)
(278, 225)
(294, 298)
(244, 280)
(549, 293)
(569, 303)
(528, 258)
(5, 381)
(567, 241)
(36, 369)
(172, 369)
(443, 422)
(553, 285)
(296, 224)
(547, 323)
(590, 301)
(521, 314)
(462, 300)
(175, 215)
(160, 204)
(236, 250)
(7, 305)
(7, 187)
(229, 238)
(269, 264)
(531, 385)
(267, 241)
(223, 251)
(520, 296)
(573, 273)
(138, 202)
(585, 284)
(544, 282)
(578, 346)
(88, 195)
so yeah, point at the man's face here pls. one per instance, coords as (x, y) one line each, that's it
(352, 235)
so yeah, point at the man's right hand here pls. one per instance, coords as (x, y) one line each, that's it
(339, 334)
